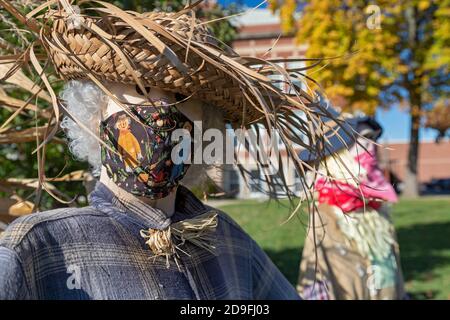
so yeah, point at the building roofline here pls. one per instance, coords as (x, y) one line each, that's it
(265, 35)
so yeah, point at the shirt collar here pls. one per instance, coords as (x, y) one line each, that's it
(112, 199)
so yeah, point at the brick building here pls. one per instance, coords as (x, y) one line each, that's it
(433, 163)
(259, 34)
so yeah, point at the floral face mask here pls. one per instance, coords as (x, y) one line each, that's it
(141, 139)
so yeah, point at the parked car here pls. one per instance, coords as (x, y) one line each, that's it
(438, 186)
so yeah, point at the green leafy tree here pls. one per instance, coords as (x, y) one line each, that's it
(379, 53)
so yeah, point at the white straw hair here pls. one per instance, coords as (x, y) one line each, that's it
(84, 101)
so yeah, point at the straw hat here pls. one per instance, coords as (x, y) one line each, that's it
(343, 135)
(174, 52)
(183, 58)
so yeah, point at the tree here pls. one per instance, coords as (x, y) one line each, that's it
(378, 53)
(438, 118)
(208, 10)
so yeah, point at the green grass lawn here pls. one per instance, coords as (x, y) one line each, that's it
(423, 229)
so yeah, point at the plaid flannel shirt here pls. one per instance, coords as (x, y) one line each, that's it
(97, 252)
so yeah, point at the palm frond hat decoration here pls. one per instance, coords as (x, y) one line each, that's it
(172, 51)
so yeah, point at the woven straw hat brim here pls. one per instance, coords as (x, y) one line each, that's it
(337, 136)
(190, 63)
(343, 135)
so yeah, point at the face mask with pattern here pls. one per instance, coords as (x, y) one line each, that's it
(141, 140)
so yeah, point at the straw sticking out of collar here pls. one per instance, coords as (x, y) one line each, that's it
(198, 231)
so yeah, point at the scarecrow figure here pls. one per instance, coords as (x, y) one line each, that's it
(143, 235)
(351, 251)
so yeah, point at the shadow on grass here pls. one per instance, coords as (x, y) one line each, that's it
(287, 261)
(422, 249)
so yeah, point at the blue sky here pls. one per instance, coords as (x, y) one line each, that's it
(396, 126)
(249, 3)
(394, 121)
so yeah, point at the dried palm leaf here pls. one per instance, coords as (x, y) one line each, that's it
(19, 79)
(25, 135)
(12, 184)
(14, 104)
(13, 207)
(21, 207)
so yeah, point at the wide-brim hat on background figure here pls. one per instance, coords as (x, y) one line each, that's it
(342, 135)
(176, 52)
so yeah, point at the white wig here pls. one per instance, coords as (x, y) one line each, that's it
(85, 102)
